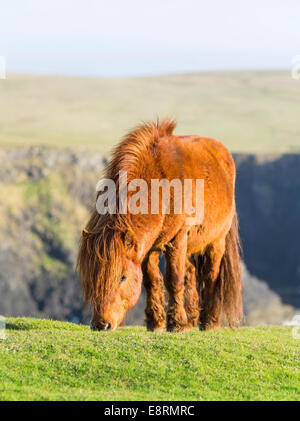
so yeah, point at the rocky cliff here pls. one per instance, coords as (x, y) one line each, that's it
(268, 202)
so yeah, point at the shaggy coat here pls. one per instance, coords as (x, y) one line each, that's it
(118, 252)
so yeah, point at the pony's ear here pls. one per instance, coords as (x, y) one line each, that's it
(129, 239)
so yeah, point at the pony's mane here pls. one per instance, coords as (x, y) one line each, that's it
(102, 240)
(130, 154)
(99, 260)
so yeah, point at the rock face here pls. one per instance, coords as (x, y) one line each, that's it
(268, 202)
(45, 200)
(261, 304)
(46, 196)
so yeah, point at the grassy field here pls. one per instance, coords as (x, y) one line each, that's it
(250, 111)
(47, 360)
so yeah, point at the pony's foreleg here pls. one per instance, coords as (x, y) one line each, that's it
(191, 298)
(209, 290)
(155, 300)
(174, 279)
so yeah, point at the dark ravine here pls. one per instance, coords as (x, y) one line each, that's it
(45, 199)
(268, 201)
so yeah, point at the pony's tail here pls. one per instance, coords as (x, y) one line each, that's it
(224, 298)
(229, 281)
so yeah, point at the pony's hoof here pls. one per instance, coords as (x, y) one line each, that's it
(178, 328)
(156, 328)
(209, 327)
(193, 323)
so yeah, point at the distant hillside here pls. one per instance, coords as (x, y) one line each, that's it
(250, 111)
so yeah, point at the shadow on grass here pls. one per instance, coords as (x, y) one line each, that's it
(58, 325)
(12, 326)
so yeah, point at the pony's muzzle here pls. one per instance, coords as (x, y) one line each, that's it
(100, 326)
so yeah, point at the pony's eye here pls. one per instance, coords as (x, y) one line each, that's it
(123, 279)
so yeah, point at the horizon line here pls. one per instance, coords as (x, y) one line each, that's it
(150, 75)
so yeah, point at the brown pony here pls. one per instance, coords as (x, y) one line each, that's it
(118, 252)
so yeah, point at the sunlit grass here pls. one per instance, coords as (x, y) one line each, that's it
(47, 360)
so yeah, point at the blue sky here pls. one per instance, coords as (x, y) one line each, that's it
(144, 37)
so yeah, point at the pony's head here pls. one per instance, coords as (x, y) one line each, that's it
(108, 262)
(111, 277)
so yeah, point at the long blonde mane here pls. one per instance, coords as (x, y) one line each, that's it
(101, 248)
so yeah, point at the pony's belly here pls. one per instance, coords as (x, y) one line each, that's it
(201, 236)
(198, 240)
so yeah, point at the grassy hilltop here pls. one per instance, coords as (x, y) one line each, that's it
(250, 111)
(46, 360)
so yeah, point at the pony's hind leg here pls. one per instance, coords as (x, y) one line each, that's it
(191, 297)
(155, 300)
(175, 255)
(208, 286)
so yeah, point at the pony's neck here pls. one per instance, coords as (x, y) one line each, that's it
(138, 252)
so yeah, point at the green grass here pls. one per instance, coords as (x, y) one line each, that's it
(47, 360)
(250, 111)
